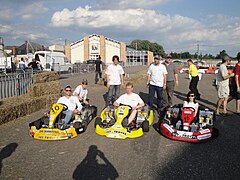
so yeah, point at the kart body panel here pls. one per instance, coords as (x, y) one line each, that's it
(199, 129)
(47, 127)
(117, 130)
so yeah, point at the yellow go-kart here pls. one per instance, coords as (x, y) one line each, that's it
(113, 122)
(49, 126)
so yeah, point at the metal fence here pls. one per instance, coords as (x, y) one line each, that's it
(15, 84)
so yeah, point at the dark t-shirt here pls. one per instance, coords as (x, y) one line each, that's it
(98, 63)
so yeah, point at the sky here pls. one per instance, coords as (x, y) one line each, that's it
(177, 25)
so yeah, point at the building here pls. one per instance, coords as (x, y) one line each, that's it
(136, 57)
(93, 46)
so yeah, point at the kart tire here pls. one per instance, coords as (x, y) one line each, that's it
(98, 121)
(145, 126)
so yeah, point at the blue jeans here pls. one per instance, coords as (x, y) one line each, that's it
(68, 116)
(97, 73)
(114, 91)
(158, 90)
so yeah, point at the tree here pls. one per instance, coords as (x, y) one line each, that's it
(147, 46)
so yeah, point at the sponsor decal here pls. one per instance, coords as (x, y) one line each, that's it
(169, 128)
(204, 136)
(116, 127)
(182, 134)
(116, 132)
(204, 131)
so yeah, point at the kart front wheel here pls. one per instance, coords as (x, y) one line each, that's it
(145, 126)
(98, 121)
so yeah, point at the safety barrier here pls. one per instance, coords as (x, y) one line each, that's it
(15, 84)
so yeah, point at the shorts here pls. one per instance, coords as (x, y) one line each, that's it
(237, 95)
(223, 91)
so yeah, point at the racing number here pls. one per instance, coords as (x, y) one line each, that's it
(55, 109)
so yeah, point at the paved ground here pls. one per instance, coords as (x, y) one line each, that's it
(152, 156)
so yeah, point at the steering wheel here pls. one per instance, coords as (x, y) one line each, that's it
(64, 107)
(129, 107)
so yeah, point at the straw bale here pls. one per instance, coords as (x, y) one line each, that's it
(45, 77)
(16, 107)
(41, 89)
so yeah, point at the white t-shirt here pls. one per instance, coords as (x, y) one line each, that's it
(132, 99)
(222, 71)
(114, 72)
(190, 104)
(72, 102)
(157, 73)
(82, 93)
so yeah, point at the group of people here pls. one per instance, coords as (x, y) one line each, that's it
(223, 78)
(161, 80)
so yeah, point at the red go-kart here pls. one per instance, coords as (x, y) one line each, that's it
(180, 124)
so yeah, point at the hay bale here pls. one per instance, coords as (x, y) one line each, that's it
(13, 108)
(45, 77)
(42, 89)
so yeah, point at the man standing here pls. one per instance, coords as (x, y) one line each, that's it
(71, 102)
(223, 85)
(237, 80)
(156, 80)
(98, 71)
(194, 78)
(172, 79)
(114, 79)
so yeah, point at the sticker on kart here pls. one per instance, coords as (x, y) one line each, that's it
(184, 134)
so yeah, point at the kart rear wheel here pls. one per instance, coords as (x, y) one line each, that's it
(98, 121)
(145, 126)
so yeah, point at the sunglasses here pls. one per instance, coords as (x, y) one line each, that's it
(68, 90)
(191, 96)
(84, 83)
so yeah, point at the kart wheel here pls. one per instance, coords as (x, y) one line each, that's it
(145, 126)
(98, 121)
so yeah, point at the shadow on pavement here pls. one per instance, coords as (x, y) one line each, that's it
(6, 152)
(216, 159)
(95, 166)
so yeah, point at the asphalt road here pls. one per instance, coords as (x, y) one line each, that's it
(152, 156)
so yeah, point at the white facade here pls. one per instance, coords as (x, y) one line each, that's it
(92, 47)
(56, 48)
(77, 54)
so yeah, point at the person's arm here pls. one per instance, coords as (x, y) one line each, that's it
(79, 107)
(176, 79)
(237, 82)
(122, 82)
(101, 67)
(196, 110)
(115, 104)
(76, 92)
(148, 79)
(139, 106)
(164, 81)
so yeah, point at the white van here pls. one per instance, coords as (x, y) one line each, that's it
(53, 61)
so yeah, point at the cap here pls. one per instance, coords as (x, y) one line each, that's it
(84, 81)
(67, 86)
(169, 56)
(157, 57)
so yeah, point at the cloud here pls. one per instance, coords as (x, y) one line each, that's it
(128, 4)
(27, 12)
(5, 14)
(128, 19)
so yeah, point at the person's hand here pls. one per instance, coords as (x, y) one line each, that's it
(108, 85)
(122, 85)
(238, 90)
(164, 86)
(177, 83)
(75, 111)
(232, 74)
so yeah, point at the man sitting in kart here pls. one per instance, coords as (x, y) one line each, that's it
(71, 102)
(131, 99)
(81, 92)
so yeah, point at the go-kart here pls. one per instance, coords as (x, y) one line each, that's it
(112, 122)
(49, 127)
(180, 124)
